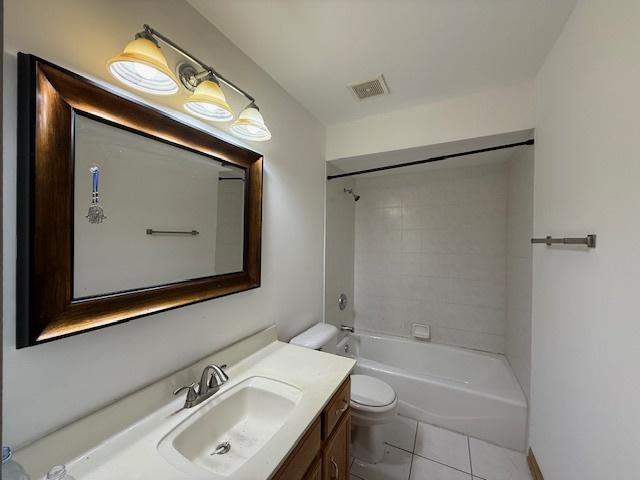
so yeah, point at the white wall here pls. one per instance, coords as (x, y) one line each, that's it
(494, 112)
(340, 225)
(230, 232)
(52, 384)
(430, 248)
(519, 258)
(585, 389)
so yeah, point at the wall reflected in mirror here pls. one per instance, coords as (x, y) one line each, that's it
(148, 213)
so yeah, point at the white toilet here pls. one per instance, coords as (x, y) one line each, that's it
(373, 402)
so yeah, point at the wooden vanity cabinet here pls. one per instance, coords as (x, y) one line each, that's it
(323, 452)
(315, 472)
(335, 457)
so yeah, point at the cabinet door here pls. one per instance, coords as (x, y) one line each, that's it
(335, 459)
(314, 472)
(303, 456)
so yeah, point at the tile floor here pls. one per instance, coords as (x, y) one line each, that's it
(419, 451)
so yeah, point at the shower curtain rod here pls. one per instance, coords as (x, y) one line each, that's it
(432, 159)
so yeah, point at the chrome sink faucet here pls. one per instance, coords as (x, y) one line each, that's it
(212, 378)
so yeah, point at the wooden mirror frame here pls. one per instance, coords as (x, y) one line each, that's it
(48, 99)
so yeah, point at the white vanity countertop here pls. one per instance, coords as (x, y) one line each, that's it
(133, 453)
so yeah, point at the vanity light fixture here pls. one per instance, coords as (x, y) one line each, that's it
(250, 125)
(208, 102)
(143, 66)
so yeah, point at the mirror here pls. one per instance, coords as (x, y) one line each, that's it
(169, 214)
(123, 211)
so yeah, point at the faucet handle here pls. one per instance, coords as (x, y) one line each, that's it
(192, 392)
(219, 377)
(222, 372)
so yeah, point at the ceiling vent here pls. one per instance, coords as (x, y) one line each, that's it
(370, 88)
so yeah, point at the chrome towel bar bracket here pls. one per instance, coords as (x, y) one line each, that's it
(589, 241)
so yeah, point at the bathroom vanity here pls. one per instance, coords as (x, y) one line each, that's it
(323, 452)
(279, 423)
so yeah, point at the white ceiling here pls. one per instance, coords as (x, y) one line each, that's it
(426, 49)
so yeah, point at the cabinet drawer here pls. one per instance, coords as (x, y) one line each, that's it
(336, 457)
(302, 457)
(337, 406)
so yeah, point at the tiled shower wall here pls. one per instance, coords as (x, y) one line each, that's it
(519, 266)
(430, 248)
(339, 244)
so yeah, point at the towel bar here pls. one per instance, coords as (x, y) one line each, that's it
(172, 232)
(589, 240)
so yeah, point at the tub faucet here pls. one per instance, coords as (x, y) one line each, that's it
(347, 328)
(212, 378)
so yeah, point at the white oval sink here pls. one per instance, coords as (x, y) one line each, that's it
(246, 417)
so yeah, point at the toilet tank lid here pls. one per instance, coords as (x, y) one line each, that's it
(316, 337)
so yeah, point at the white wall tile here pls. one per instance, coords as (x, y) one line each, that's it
(462, 338)
(469, 318)
(339, 253)
(431, 248)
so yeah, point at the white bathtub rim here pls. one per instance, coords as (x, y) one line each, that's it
(443, 346)
(513, 395)
(458, 386)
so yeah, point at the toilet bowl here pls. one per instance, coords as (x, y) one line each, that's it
(373, 402)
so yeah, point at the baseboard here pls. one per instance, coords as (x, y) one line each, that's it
(533, 466)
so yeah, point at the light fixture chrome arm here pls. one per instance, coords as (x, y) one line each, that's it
(208, 69)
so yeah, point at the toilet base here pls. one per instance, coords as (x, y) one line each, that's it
(367, 443)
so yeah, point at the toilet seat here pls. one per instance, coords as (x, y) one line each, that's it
(369, 394)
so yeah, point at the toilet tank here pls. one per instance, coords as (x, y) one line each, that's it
(322, 336)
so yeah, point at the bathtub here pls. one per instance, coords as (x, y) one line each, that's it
(471, 392)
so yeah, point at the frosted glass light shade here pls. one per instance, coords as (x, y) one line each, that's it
(208, 102)
(250, 125)
(143, 66)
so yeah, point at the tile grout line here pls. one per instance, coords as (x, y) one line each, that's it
(410, 466)
(413, 453)
(470, 461)
(437, 461)
(440, 463)
(399, 448)
(413, 449)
